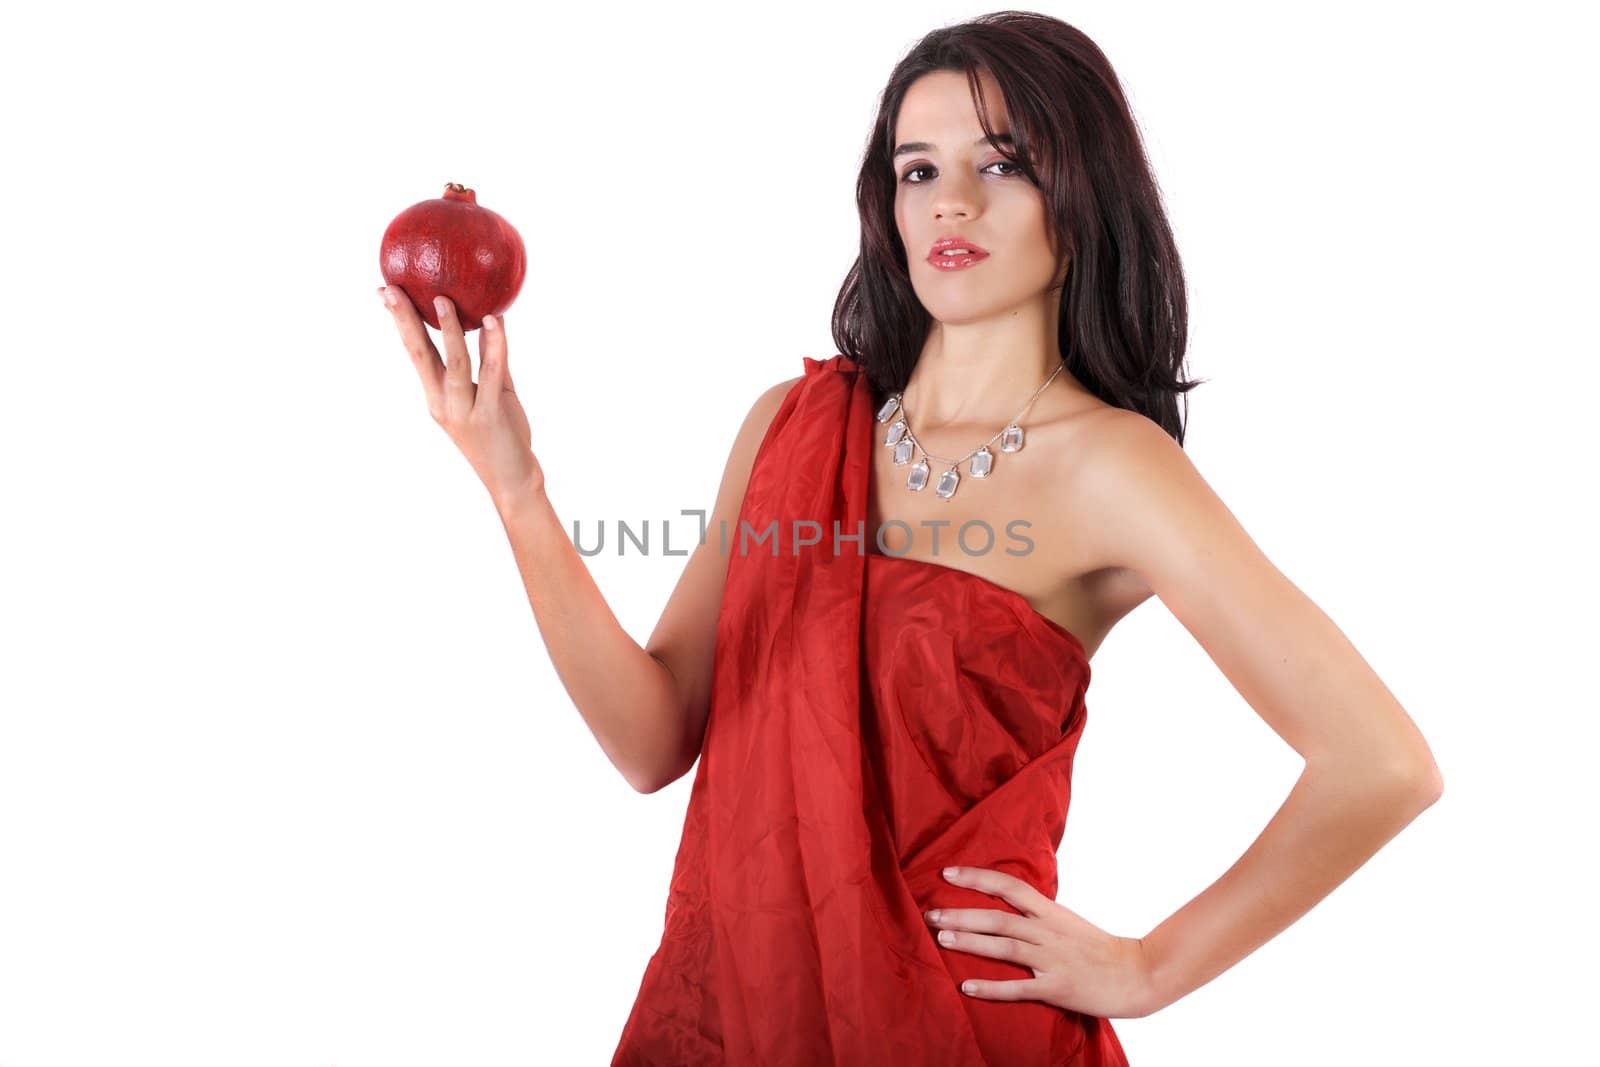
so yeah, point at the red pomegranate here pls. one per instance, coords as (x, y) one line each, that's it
(452, 247)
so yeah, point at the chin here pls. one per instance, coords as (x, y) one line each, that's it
(956, 312)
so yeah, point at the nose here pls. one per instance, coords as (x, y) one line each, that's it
(957, 198)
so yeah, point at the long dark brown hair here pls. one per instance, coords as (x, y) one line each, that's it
(1123, 326)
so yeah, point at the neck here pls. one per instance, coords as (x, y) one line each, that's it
(982, 372)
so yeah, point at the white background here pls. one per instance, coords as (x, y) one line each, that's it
(286, 776)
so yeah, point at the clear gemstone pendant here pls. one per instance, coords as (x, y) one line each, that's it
(905, 444)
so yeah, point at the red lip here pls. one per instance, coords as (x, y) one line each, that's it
(956, 242)
(937, 258)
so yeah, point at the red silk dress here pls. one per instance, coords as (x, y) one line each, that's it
(873, 720)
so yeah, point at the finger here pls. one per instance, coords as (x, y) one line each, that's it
(505, 357)
(1012, 890)
(996, 948)
(458, 388)
(491, 359)
(1012, 989)
(989, 921)
(414, 333)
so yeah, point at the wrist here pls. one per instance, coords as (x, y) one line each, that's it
(520, 497)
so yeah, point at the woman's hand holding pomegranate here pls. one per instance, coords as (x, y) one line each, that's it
(486, 420)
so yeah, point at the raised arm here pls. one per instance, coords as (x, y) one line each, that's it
(647, 709)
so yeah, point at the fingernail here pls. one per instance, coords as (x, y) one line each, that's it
(933, 916)
(488, 322)
(946, 937)
(952, 872)
(439, 304)
(389, 296)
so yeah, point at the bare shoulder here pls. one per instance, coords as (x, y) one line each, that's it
(759, 418)
(1115, 443)
(1152, 509)
(768, 403)
(1097, 447)
(751, 433)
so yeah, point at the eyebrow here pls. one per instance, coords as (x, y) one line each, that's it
(924, 146)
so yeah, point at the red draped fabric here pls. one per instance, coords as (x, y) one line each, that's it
(873, 720)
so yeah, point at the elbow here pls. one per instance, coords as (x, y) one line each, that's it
(680, 762)
(1431, 785)
(1407, 781)
(1420, 782)
(655, 781)
(646, 786)
(648, 780)
(643, 775)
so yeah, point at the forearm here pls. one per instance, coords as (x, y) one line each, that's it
(626, 696)
(1333, 821)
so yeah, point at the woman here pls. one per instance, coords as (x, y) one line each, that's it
(885, 725)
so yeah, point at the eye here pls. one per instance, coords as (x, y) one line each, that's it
(907, 178)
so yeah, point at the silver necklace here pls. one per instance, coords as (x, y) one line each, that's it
(904, 442)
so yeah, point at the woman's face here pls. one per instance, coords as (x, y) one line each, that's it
(952, 182)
